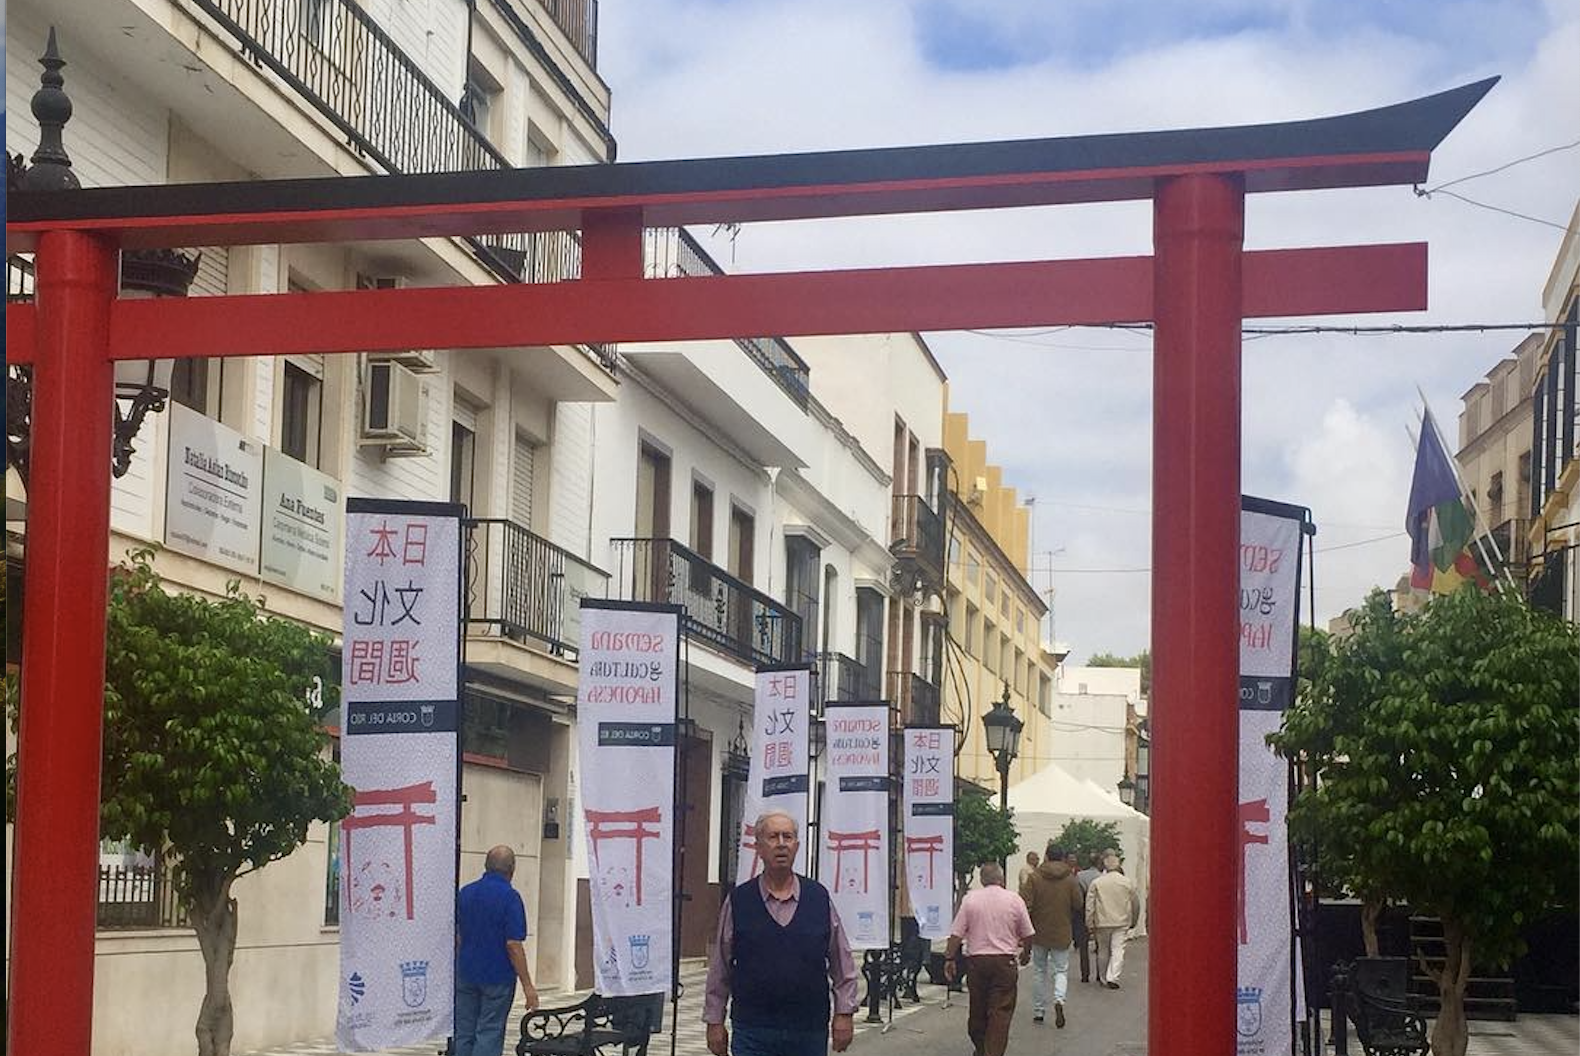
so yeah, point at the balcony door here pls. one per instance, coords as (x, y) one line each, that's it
(742, 527)
(651, 560)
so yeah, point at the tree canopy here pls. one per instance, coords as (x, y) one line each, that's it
(1143, 660)
(1445, 746)
(1087, 837)
(982, 834)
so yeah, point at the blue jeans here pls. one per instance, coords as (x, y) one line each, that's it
(481, 1013)
(1042, 958)
(776, 1041)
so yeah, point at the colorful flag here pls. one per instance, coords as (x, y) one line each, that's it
(1441, 526)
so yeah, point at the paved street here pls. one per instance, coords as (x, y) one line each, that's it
(1101, 1023)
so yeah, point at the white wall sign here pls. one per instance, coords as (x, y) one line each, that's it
(625, 731)
(302, 521)
(929, 826)
(780, 760)
(853, 859)
(213, 491)
(1270, 537)
(399, 693)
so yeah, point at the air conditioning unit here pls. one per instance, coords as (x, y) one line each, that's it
(394, 409)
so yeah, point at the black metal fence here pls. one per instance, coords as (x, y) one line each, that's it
(721, 609)
(674, 253)
(139, 897)
(333, 54)
(578, 20)
(845, 679)
(523, 587)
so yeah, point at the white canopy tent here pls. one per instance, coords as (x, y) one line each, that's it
(1052, 797)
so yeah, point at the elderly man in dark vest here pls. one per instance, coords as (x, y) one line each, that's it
(782, 963)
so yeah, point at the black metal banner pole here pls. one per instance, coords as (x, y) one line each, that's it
(678, 852)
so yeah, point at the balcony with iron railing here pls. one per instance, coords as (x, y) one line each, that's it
(720, 610)
(917, 540)
(674, 253)
(336, 57)
(917, 698)
(525, 589)
(845, 679)
(1510, 540)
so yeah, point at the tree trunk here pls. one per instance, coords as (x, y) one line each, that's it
(1371, 913)
(214, 920)
(1449, 1032)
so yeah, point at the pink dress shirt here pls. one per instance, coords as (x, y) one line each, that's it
(992, 920)
(841, 964)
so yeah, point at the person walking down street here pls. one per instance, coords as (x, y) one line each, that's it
(1112, 909)
(1026, 871)
(491, 923)
(1078, 932)
(994, 928)
(1093, 870)
(781, 951)
(1053, 900)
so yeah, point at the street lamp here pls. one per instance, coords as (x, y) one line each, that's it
(1144, 774)
(1127, 791)
(142, 386)
(1001, 729)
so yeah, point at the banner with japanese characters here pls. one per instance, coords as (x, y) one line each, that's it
(1270, 540)
(928, 828)
(626, 735)
(781, 761)
(853, 859)
(400, 694)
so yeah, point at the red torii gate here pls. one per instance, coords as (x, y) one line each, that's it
(1196, 288)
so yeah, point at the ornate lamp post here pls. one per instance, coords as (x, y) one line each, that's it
(1127, 792)
(1001, 729)
(140, 387)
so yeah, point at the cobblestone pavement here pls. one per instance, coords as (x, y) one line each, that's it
(1100, 1023)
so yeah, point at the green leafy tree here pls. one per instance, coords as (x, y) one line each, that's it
(982, 835)
(1143, 660)
(1445, 747)
(213, 759)
(1086, 837)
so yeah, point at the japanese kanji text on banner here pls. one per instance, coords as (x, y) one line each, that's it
(780, 759)
(399, 682)
(626, 737)
(929, 827)
(1270, 537)
(853, 861)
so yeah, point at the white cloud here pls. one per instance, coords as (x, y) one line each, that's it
(1324, 417)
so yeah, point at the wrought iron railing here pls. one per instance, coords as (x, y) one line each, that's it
(917, 533)
(674, 253)
(578, 20)
(1546, 585)
(523, 587)
(334, 55)
(1510, 537)
(721, 609)
(139, 897)
(923, 701)
(844, 678)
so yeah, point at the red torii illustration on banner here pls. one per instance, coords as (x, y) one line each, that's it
(623, 825)
(932, 846)
(406, 798)
(866, 842)
(1251, 812)
(1196, 288)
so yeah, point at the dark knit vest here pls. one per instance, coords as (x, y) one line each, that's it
(779, 975)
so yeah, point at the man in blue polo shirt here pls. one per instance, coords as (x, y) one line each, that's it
(492, 924)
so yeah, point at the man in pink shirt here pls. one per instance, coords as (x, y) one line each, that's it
(996, 929)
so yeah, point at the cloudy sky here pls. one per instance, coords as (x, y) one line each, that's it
(1068, 413)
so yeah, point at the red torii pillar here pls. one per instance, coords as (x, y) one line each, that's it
(1197, 287)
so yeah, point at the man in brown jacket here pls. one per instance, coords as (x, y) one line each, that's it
(1053, 897)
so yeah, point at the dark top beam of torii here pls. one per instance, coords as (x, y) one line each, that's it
(1197, 288)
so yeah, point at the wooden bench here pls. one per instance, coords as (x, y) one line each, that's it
(597, 1026)
(1374, 994)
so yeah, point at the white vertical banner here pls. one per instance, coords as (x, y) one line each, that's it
(853, 861)
(626, 736)
(779, 777)
(400, 708)
(929, 826)
(1270, 538)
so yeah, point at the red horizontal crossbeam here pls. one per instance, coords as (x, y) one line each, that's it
(1285, 282)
